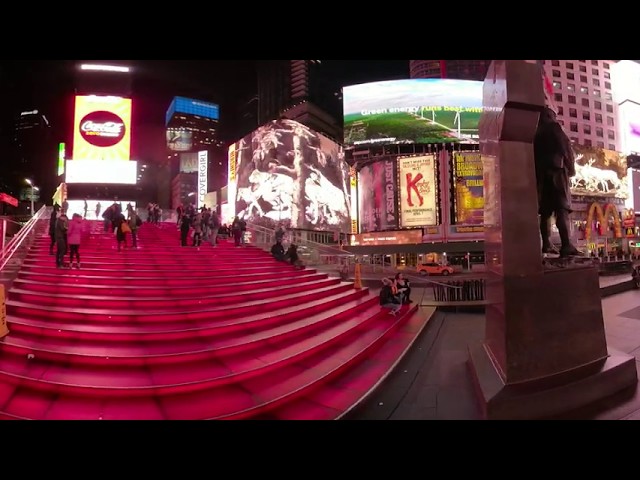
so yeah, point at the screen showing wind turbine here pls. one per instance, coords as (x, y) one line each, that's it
(423, 110)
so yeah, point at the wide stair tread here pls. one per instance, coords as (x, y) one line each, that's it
(140, 302)
(252, 397)
(170, 378)
(162, 350)
(132, 332)
(146, 290)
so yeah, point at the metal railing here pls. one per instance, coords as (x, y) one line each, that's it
(311, 253)
(23, 237)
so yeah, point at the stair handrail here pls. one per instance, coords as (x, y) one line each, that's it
(329, 248)
(16, 242)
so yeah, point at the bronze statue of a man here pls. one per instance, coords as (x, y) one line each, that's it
(555, 165)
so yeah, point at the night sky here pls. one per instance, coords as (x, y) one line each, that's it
(45, 84)
(48, 85)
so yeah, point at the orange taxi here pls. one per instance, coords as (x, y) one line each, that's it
(434, 269)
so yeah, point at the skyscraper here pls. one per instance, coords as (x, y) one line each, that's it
(299, 90)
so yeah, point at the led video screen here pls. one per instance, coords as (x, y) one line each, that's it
(97, 171)
(425, 110)
(287, 173)
(102, 128)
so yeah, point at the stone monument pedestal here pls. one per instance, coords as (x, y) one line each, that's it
(545, 350)
(558, 359)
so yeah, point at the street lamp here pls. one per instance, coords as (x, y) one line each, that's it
(33, 188)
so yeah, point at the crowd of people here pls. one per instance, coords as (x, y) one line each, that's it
(66, 235)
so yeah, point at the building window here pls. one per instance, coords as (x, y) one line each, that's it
(606, 66)
(607, 75)
(597, 105)
(611, 135)
(598, 118)
(557, 84)
(612, 147)
(607, 85)
(599, 132)
(594, 62)
(586, 115)
(587, 142)
(582, 61)
(557, 97)
(585, 102)
(571, 87)
(573, 113)
(561, 122)
(609, 108)
(584, 90)
(555, 63)
(610, 121)
(583, 68)
(586, 129)
(570, 76)
(594, 71)
(569, 65)
(583, 78)
(574, 140)
(596, 93)
(572, 99)
(573, 126)
(560, 111)
(555, 73)
(600, 144)
(596, 82)
(607, 96)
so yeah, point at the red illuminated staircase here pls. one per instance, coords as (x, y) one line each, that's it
(170, 332)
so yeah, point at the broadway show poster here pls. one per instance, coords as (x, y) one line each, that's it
(418, 191)
(468, 185)
(378, 197)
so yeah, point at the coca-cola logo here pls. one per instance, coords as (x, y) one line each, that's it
(102, 128)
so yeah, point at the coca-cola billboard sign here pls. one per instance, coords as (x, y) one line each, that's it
(102, 129)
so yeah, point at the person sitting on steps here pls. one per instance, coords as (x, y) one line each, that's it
(387, 299)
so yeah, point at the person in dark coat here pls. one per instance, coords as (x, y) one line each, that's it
(555, 165)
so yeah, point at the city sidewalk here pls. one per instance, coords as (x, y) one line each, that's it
(433, 381)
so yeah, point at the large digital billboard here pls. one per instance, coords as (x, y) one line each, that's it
(468, 188)
(286, 172)
(102, 128)
(191, 106)
(418, 191)
(179, 140)
(97, 171)
(600, 173)
(424, 110)
(378, 198)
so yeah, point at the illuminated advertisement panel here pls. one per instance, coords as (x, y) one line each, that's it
(418, 191)
(468, 185)
(61, 158)
(102, 128)
(599, 173)
(286, 172)
(203, 169)
(97, 171)
(400, 237)
(230, 209)
(629, 126)
(378, 197)
(424, 110)
(353, 175)
(179, 140)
